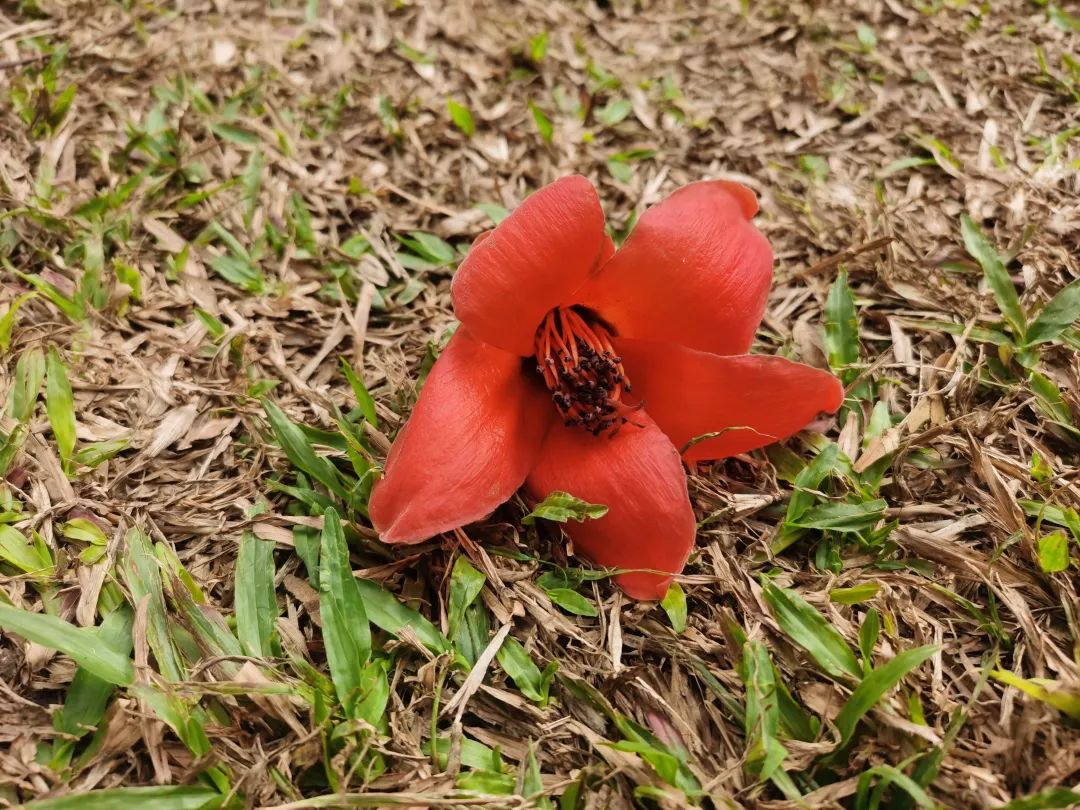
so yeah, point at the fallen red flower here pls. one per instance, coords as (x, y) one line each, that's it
(580, 368)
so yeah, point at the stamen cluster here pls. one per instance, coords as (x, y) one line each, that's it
(580, 368)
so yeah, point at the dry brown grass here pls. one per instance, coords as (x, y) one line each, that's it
(346, 103)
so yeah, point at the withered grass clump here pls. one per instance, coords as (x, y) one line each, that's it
(227, 231)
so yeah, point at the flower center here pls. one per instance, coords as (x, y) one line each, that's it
(579, 366)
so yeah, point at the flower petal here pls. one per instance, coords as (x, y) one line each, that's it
(532, 262)
(693, 271)
(637, 475)
(755, 399)
(474, 434)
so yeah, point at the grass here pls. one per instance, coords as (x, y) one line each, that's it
(226, 241)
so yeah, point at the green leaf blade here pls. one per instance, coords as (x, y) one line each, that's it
(82, 645)
(298, 449)
(572, 602)
(871, 689)
(802, 622)
(1053, 552)
(842, 329)
(88, 696)
(562, 506)
(256, 604)
(543, 123)
(462, 117)
(997, 277)
(142, 573)
(346, 632)
(29, 374)
(387, 613)
(843, 517)
(160, 797)
(465, 585)
(28, 557)
(60, 406)
(674, 604)
(518, 664)
(1062, 312)
(364, 401)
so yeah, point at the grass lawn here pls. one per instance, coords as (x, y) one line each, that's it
(227, 234)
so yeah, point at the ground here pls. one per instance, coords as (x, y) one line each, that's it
(216, 213)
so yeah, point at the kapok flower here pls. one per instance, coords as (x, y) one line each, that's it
(582, 369)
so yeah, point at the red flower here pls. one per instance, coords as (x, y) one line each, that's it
(583, 369)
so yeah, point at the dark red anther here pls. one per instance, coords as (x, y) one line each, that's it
(579, 366)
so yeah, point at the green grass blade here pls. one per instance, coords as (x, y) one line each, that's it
(1053, 553)
(256, 603)
(231, 242)
(300, 452)
(842, 329)
(527, 677)
(869, 632)
(980, 249)
(72, 309)
(208, 629)
(795, 721)
(890, 776)
(142, 572)
(7, 320)
(875, 685)
(387, 613)
(82, 645)
(29, 374)
(473, 754)
(810, 479)
(571, 601)
(465, 585)
(345, 625)
(843, 517)
(461, 116)
(88, 695)
(28, 557)
(300, 219)
(674, 604)
(251, 182)
(60, 406)
(92, 455)
(761, 723)
(1053, 693)
(308, 543)
(802, 622)
(543, 123)
(976, 333)
(807, 482)
(1051, 402)
(472, 637)
(373, 693)
(532, 783)
(562, 506)
(10, 445)
(1059, 314)
(855, 594)
(187, 722)
(160, 797)
(1056, 798)
(364, 400)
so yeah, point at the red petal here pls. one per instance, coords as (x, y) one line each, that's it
(474, 434)
(637, 475)
(693, 271)
(755, 399)
(532, 262)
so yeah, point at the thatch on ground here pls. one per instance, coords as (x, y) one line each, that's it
(215, 201)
